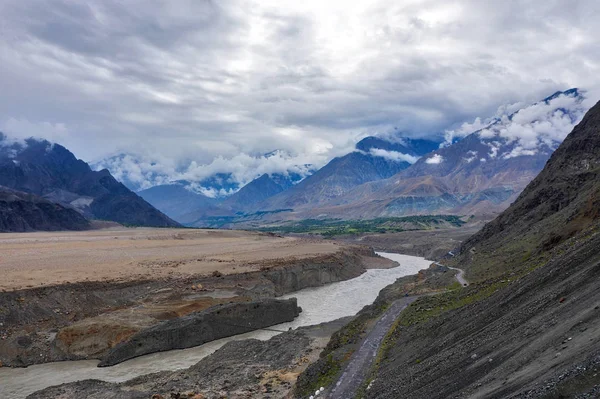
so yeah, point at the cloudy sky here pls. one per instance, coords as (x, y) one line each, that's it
(180, 83)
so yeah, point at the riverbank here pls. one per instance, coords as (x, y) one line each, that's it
(319, 304)
(240, 369)
(85, 319)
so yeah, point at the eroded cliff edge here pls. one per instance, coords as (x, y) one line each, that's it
(86, 320)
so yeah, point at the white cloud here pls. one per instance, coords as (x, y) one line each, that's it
(144, 171)
(197, 80)
(542, 125)
(517, 152)
(517, 129)
(464, 130)
(472, 155)
(394, 155)
(436, 159)
(17, 130)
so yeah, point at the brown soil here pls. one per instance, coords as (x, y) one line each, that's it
(124, 254)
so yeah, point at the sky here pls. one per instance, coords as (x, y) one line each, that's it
(190, 88)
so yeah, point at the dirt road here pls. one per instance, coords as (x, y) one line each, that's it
(460, 277)
(363, 358)
(361, 361)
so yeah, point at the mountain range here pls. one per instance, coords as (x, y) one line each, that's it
(480, 174)
(374, 158)
(50, 171)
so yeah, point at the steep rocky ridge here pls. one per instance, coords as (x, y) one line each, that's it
(344, 173)
(21, 211)
(531, 326)
(198, 328)
(51, 171)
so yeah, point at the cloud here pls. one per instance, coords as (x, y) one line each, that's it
(540, 126)
(472, 155)
(207, 80)
(518, 129)
(394, 155)
(141, 172)
(436, 159)
(17, 130)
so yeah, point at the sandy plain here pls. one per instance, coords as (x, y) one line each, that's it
(121, 254)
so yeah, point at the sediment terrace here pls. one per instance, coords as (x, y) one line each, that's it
(69, 296)
(125, 254)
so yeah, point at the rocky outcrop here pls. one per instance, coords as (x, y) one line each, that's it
(209, 325)
(51, 171)
(21, 212)
(318, 271)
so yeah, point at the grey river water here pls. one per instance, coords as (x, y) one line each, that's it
(321, 304)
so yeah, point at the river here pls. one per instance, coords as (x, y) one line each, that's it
(319, 305)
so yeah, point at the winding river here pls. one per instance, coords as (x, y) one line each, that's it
(319, 305)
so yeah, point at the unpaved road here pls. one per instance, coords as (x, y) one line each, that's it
(363, 358)
(460, 277)
(35, 259)
(361, 361)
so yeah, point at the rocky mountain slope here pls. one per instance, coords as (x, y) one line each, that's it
(260, 189)
(530, 325)
(21, 212)
(480, 174)
(180, 202)
(374, 159)
(52, 172)
(175, 201)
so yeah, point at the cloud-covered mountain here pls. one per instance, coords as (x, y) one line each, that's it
(175, 200)
(374, 159)
(260, 189)
(218, 179)
(51, 171)
(480, 174)
(182, 203)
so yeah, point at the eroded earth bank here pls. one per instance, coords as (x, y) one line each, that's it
(127, 282)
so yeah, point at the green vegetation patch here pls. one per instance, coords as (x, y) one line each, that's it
(339, 227)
